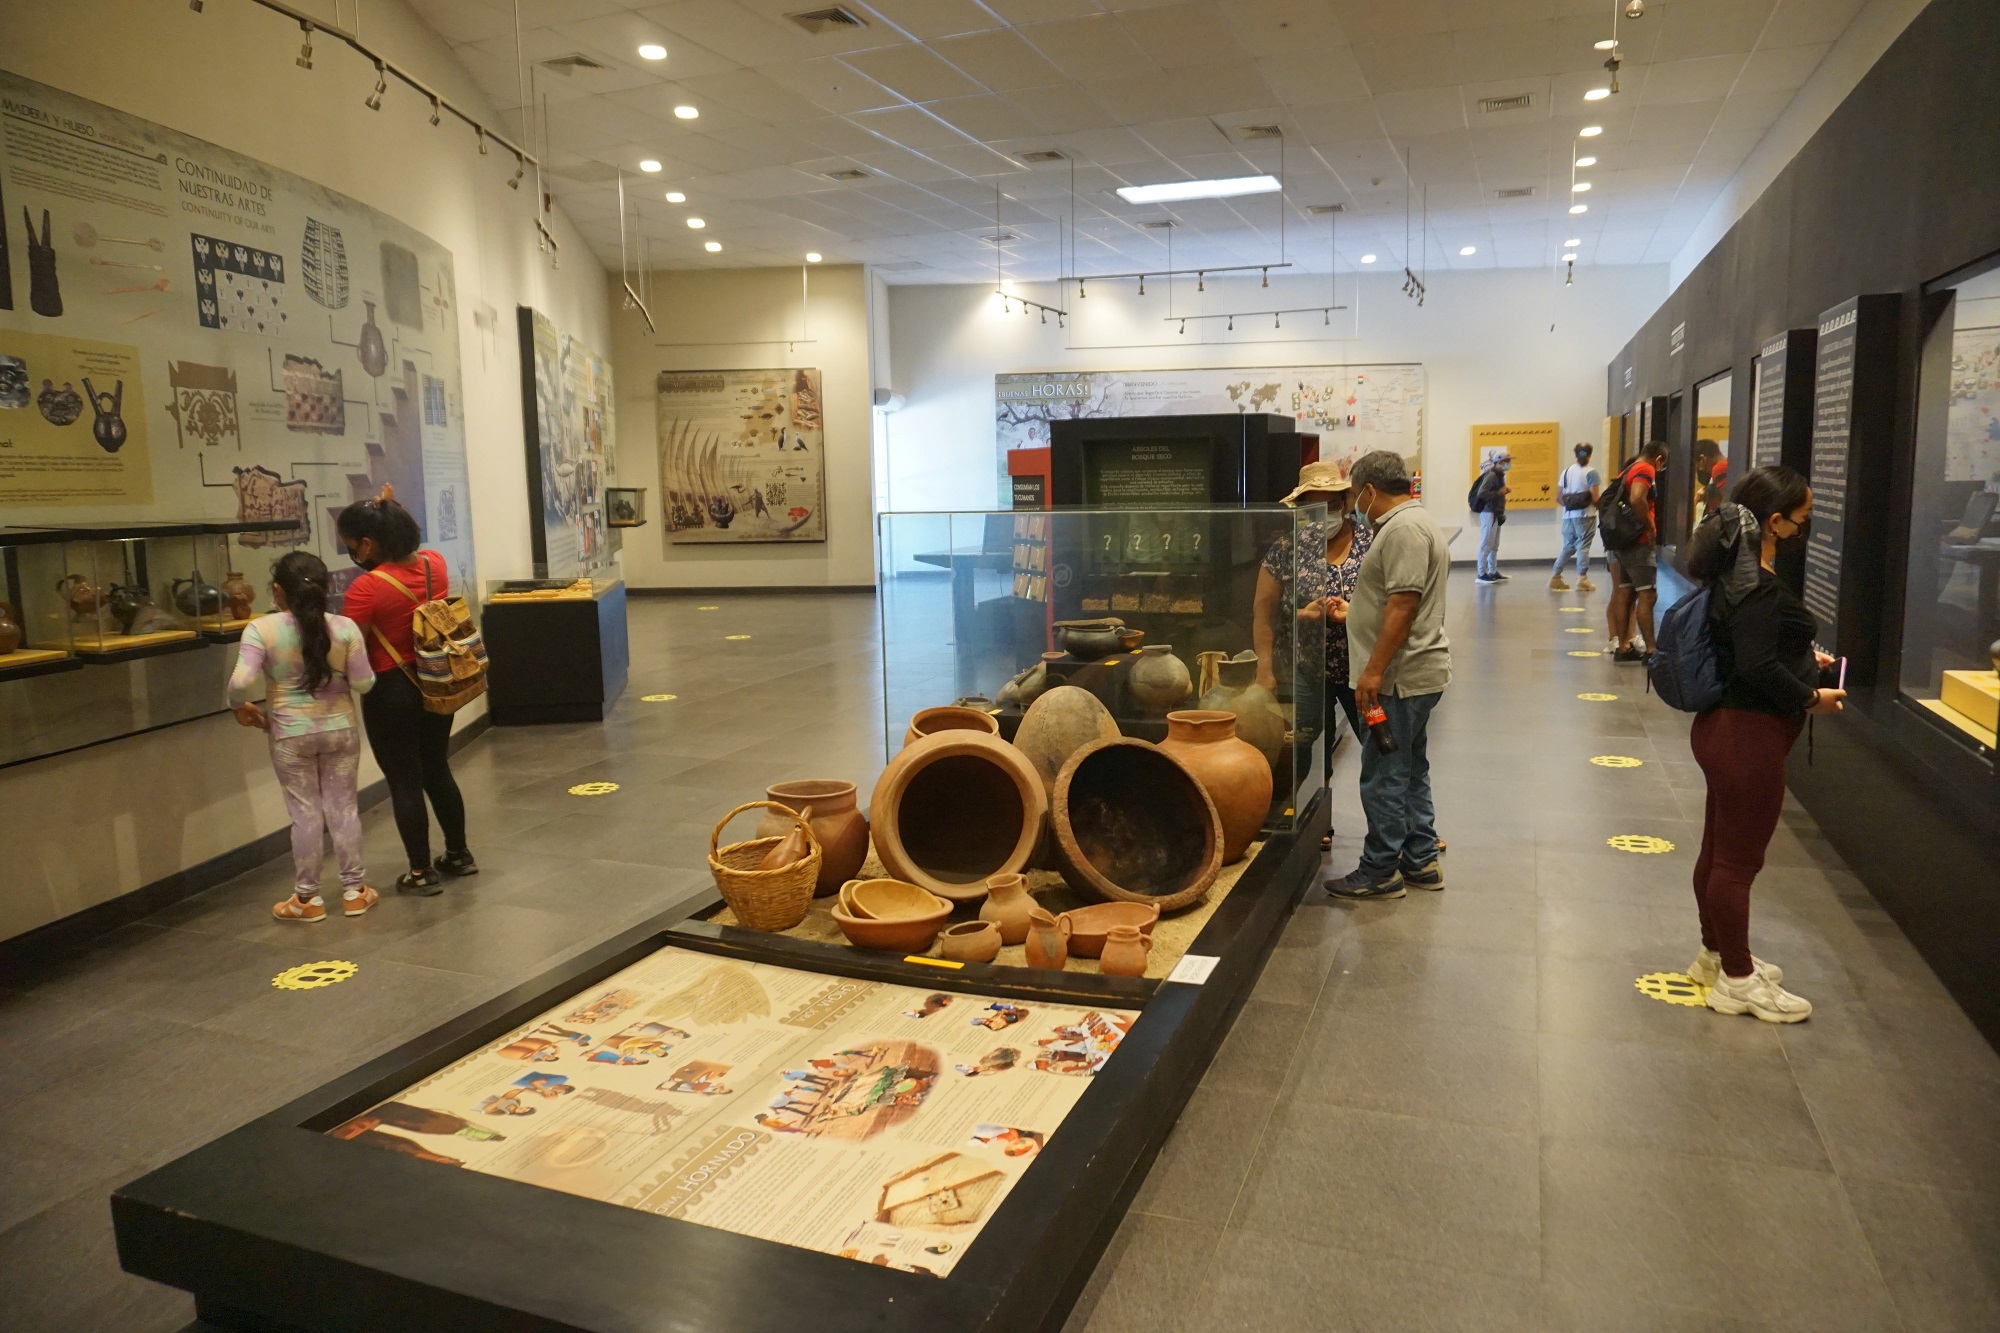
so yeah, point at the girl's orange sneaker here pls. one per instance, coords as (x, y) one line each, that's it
(293, 910)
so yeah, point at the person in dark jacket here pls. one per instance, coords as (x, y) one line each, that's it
(1763, 636)
(1489, 501)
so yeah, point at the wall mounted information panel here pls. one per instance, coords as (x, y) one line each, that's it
(1853, 413)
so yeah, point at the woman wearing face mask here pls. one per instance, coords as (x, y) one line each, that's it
(412, 745)
(1763, 636)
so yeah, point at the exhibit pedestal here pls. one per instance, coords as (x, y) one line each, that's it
(555, 658)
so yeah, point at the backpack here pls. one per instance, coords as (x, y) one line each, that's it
(1472, 495)
(1686, 673)
(1574, 500)
(450, 670)
(1620, 525)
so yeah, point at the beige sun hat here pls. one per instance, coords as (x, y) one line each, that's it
(1318, 477)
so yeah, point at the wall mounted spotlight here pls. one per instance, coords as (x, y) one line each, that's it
(1080, 293)
(305, 60)
(374, 102)
(480, 130)
(1277, 320)
(195, 5)
(437, 111)
(1142, 284)
(1200, 282)
(1267, 278)
(1611, 63)
(1232, 323)
(1183, 326)
(1045, 316)
(520, 170)
(1635, 9)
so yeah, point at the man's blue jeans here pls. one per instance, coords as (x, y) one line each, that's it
(1489, 544)
(1396, 790)
(1578, 527)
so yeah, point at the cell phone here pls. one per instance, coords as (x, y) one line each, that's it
(1843, 675)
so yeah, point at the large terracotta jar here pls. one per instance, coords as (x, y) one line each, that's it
(953, 809)
(949, 717)
(836, 821)
(1057, 725)
(1133, 825)
(1158, 680)
(1259, 720)
(1235, 776)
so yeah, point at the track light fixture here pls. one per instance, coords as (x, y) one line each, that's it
(1183, 326)
(195, 5)
(1277, 320)
(480, 130)
(305, 60)
(1200, 281)
(520, 170)
(381, 86)
(1267, 278)
(437, 111)
(1232, 323)
(1045, 316)
(1635, 9)
(1142, 284)
(1611, 63)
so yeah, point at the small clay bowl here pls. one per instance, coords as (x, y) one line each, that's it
(1090, 926)
(886, 900)
(908, 935)
(1130, 639)
(970, 942)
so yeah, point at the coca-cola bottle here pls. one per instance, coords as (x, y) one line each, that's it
(1377, 721)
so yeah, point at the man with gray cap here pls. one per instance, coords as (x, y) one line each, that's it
(1401, 664)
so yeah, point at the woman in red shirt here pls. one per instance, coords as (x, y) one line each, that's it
(412, 746)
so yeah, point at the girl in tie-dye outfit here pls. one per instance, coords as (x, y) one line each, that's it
(311, 664)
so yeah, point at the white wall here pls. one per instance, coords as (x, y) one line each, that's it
(86, 827)
(1484, 338)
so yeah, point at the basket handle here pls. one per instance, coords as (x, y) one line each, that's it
(715, 838)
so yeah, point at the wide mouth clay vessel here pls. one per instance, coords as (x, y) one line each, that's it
(970, 942)
(1133, 825)
(885, 900)
(953, 809)
(949, 717)
(839, 825)
(1088, 640)
(1090, 925)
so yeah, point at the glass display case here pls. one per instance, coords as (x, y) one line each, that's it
(1150, 610)
(34, 608)
(235, 560)
(625, 506)
(136, 589)
(1951, 626)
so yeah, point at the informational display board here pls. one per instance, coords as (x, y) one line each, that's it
(742, 456)
(1146, 474)
(1833, 411)
(1767, 405)
(188, 333)
(878, 1122)
(566, 405)
(1535, 447)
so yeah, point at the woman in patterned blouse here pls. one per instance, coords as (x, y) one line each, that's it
(1325, 571)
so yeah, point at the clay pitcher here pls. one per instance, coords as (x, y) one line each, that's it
(242, 597)
(1235, 776)
(1125, 951)
(10, 632)
(1158, 680)
(1048, 940)
(1008, 907)
(792, 847)
(839, 825)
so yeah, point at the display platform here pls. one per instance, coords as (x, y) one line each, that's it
(283, 1225)
(557, 654)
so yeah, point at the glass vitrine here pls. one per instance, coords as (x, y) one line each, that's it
(136, 589)
(34, 612)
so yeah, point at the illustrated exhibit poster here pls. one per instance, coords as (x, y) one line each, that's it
(567, 406)
(1972, 429)
(1353, 409)
(881, 1123)
(742, 456)
(1534, 447)
(187, 333)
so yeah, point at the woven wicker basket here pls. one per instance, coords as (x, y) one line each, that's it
(764, 899)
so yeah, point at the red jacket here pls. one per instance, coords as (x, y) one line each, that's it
(384, 613)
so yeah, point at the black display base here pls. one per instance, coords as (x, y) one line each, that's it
(48, 668)
(278, 1228)
(555, 660)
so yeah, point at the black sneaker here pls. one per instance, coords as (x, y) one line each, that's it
(1504, 578)
(1629, 653)
(1487, 578)
(456, 864)
(1360, 886)
(1430, 877)
(423, 883)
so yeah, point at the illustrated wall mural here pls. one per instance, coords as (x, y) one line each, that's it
(567, 409)
(188, 333)
(742, 455)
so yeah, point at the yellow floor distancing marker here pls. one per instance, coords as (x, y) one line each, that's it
(1571, 608)
(593, 789)
(1597, 698)
(1615, 761)
(708, 608)
(1578, 629)
(1641, 844)
(1674, 988)
(312, 976)
(736, 638)
(658, 698)
(1585, 652)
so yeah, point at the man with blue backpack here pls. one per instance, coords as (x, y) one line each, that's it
(1626, 526)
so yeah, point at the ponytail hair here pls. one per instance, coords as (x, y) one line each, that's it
(392, 528)
(303, 577)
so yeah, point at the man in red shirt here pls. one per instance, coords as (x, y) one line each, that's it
(1634, 569)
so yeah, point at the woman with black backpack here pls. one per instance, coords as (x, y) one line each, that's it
(1763, 641)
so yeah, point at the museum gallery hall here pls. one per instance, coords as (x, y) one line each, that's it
(999, 666)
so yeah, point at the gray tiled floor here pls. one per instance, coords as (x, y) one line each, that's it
(1448, 1112)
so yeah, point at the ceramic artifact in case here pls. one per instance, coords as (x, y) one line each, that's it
(34, 604)
(235, 560)
(625, 506)
(137, 589)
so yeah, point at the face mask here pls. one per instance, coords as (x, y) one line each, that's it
(1361, 520)
(1797, 541)
(1336, 519)
(360, 563)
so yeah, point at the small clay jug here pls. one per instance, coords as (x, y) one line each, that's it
(841, 828)
(1048, 940)
(1125, 951)
(242, 597)
(970, 942)
(792, 847)
(1008, 907)
(10, 632)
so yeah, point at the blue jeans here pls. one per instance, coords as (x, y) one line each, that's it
(1579, 527)
(1396, 791)
(1489, 543)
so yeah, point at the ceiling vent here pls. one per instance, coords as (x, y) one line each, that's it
(845, 174)
(817, 21)
(1518, 192)
(571, 63)
(1000, 238)
(1518, 102)
(1161, 224)
(1042, 155)
(1260, 131)
(1321, 210)
(901, 266)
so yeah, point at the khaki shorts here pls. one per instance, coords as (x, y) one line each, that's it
(1635, 567)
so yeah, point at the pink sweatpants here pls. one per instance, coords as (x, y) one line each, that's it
(318, 773)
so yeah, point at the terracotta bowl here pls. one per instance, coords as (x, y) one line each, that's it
(1133, 825)
(1090, 925)
(1130, 639)
(886, 900)
(970, 942)
(907, 935)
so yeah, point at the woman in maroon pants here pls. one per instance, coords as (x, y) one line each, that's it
(1763, 638)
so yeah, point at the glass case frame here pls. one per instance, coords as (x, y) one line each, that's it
(34, 623)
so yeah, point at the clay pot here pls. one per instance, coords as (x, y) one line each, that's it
(970, 942)
(912, 934)
(1062, 721)
(1259, 720)
(1125, 951)
(1028, 686)
(953, 809)
(1130, 639)
(242, 597)
(1007, 906)
(1089, 926)
(83, 596)
(1158, 680)
(194, 597)
(841, 828)
(1048, 941)
(10, 632)
(1132, 825)
(1235, 776)
(125, 603)
(794, 845)
(949, 717)
(1088, 640)
(885, 900)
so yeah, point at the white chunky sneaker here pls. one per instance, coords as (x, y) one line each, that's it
(1707, 966)
(1759, 995)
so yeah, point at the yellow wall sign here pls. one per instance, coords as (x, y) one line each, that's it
(77, 434)
(1536, 447)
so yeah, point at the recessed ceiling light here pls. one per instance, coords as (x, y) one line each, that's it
(685, 113)
(1468, 249)
(1368, 259)
(1579, 187)
(812, 256)
(1570, 258)
(1572, 242)
(676, 197)
(1594, 95)
(1590, 132)
(649, 165)
(697, 223)
(713, 247)
(652, 51)
(1579, 208)
(1586, 161)
(1172, 191)
(1609, 43)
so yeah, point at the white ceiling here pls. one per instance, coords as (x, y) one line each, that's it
(934, 98)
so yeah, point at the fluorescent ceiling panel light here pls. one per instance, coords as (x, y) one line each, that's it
(1572, 242)
(1579, 208)
(697, 223)
(676, 197)
(1590, 132)
(1169, 192)
(685, 113)
(1608, 44)
(1594, 95)
(652, 51)
(812, 256)
(713, 247)
(1570, 258)
(1580, 187)
(1368, 259)
(1586, 161)
(1468, 249)
(649, 165)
